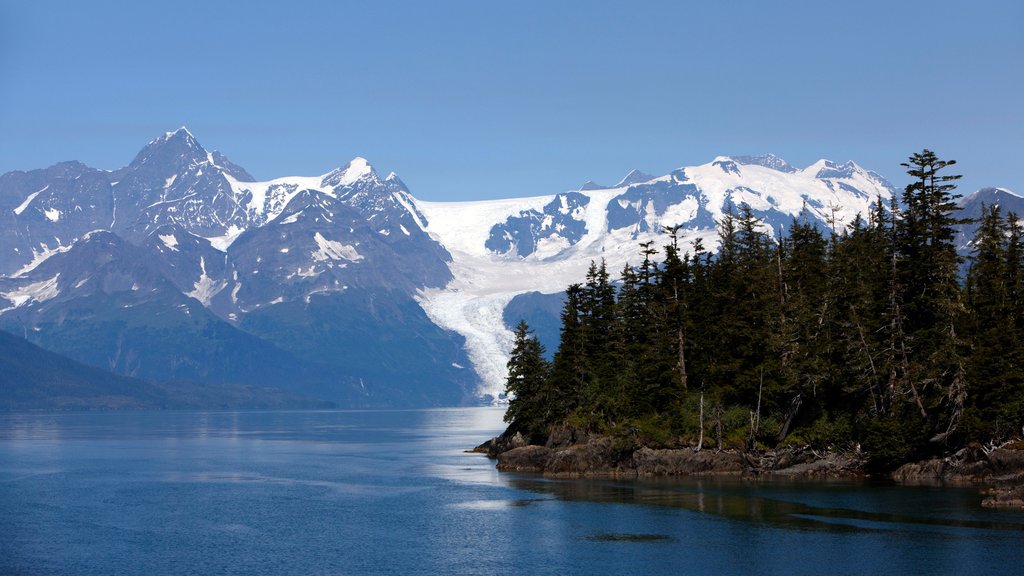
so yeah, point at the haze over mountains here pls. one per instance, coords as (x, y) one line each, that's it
(344, 286)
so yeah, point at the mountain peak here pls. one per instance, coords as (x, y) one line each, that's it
(634, 177)
(824, 168)
(357, 169)
(591, 185)
(181, 132)
(179, 147)
(989, 195)
(181, 136)
(766, 160)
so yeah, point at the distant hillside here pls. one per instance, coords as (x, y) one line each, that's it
(34, 379)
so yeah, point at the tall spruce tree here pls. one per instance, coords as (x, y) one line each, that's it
(931, 291)
(529, 407)
(995, 364)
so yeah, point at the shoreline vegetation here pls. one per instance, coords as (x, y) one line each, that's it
(868, 350)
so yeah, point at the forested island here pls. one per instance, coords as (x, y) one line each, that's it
(869, 349)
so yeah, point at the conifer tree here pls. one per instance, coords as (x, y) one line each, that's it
(931, 292)
(527, 386)
(570, 370)
(995, 365)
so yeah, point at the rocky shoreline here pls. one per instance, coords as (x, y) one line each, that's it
(1000, 471)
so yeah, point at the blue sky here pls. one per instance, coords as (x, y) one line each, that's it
(478, 99)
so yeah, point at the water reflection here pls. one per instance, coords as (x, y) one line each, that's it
(333, 492)
(738, 500)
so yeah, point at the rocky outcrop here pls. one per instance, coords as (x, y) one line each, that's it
(524, 459)
(687, 462)
(572, 455)
(501, 444)
(971, 465)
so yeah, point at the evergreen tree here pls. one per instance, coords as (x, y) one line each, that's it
(602, 349)
(570, 370)
(527, 386)
(867, 336)
(995, 363)
(931, 291)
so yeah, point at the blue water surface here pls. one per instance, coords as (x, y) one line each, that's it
(337, 492)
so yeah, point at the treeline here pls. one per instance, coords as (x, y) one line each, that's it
(867, 336)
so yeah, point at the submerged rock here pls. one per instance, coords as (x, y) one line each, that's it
(1004, 497)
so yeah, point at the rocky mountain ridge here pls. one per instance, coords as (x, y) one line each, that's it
(343, 285)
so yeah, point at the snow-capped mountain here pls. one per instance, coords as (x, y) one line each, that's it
(389, 296)
(971, 208)
(505, 248)
(203, 265)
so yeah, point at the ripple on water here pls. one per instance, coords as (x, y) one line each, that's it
(619, 537)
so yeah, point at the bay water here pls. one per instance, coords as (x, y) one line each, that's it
(394, 492)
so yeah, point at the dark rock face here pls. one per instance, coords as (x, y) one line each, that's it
(686, 462)
(641, 204)
(596, 457)
(174, 180)
(524, 459)
(1001, 469)
(836, 170)
(604, 457)
(106, 303)
(728, 165)
(560, 219)
(971, 465)
(767, 160)
(44, 210)
(634, 177)
(168, 268)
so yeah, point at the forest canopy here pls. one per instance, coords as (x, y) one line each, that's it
(870, 336)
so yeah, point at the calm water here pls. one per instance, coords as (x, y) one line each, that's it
(393, 493)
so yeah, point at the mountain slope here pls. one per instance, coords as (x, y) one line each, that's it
(971, 208)
(32, 378)
(357, 289)
(504, 248)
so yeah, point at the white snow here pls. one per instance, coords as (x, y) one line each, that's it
(205, 288)
(21, 207)
(170, 181)
(473, 303)
(356, 169)
(40, 257)
(52, 214)
(408, 202)
(292, 219)
(35, 292)
(170, 241)
(234, 291)
(332, 250)
(223, 242)
(465, 226)
(269, 198)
